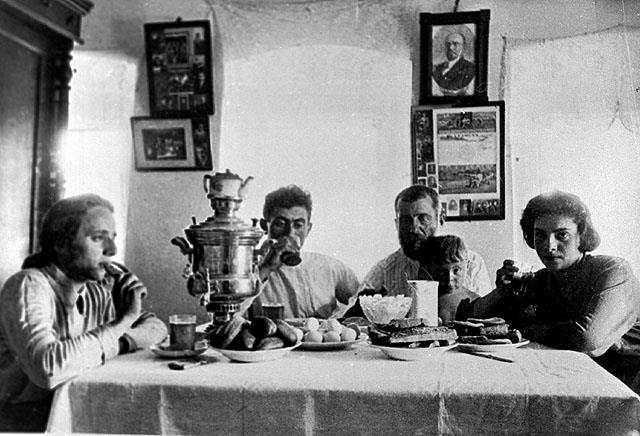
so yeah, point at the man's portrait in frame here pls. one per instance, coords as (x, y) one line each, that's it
(454, 70)
(453, 57)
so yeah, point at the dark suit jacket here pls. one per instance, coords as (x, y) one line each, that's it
(457, 77)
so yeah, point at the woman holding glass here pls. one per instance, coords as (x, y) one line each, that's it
(582, 302)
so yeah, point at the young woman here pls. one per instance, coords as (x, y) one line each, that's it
(578, 301)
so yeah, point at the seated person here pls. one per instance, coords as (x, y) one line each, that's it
(417, 219)
(578, 301)
(67, 310)
(446, 261)
(320, 285)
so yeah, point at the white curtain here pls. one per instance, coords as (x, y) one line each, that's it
(574, 124)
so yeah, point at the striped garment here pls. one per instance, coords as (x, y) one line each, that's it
(52, 329)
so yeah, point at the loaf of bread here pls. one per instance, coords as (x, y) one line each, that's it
(411, 332)
(476, 328)
(422, 334)
(482, 340)
(404, 323)
(489, 331)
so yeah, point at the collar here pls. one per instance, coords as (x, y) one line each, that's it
(569, 274)
(65, 287)
(450, 64)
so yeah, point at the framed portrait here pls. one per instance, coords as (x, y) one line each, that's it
(453, 57)
(459, 151)
(179, 69)
(179, 144)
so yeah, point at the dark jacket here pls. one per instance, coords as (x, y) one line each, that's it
(458, 77)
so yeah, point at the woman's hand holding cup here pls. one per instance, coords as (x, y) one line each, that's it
(512, 277)
(505, 274)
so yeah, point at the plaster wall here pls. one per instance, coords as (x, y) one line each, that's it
(353, 190)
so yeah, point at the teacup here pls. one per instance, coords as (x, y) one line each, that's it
(182, 331)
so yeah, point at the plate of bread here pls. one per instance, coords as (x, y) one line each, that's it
(411, 339)
(487, 334)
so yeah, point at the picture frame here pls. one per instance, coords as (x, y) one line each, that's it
(454, 57)
(459, 152)
(179, 72)
(166, 144)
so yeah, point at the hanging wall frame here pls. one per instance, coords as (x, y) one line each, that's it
(178, 57)
(453, 57)
(459, 151)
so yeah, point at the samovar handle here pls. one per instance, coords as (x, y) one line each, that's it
(206, 185)
(243, 187)
(185, 247)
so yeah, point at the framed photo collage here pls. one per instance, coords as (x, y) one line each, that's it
(177, 135)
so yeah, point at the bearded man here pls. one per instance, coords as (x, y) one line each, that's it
(417, 219)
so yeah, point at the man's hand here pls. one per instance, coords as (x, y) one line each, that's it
(149, 331)
(271, 251)
(128, 292)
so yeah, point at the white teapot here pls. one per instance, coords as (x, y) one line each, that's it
(225, 185)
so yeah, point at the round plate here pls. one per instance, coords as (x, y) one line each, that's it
(255, 356)
(162, 350)
(401, 353)
(492, 347)
(329, 346)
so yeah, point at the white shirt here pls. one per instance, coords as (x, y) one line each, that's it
(320, 286)
(393, 271)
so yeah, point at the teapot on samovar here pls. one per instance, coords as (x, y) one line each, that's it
(223, 260)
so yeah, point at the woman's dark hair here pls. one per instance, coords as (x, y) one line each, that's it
(60, 225)
(565, 204)
(285, 198)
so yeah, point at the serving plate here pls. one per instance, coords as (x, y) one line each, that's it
(492, 347)
(162, 349)
(403, 353)
(255, 356)
(330, 346)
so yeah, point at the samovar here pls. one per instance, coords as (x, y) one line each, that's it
(223, 260)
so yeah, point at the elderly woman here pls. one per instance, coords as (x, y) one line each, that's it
(578, 301)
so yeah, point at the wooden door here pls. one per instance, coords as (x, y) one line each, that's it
(33, 105)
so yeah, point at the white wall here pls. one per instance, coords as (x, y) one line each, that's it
(353, 188)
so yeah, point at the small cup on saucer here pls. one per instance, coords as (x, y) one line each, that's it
(273, 311)
(182, 331)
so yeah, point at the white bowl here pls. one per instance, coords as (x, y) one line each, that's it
(381, 310)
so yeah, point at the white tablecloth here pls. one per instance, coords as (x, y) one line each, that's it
(350, 392)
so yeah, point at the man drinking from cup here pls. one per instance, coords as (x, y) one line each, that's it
(318, 285)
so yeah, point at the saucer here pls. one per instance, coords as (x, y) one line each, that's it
(162, 349)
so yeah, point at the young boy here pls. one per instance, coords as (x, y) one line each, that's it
(445, 257)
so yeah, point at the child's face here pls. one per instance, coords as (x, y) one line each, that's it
(451, 276)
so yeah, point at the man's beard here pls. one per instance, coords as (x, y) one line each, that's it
(452, 56)
(413, 244)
